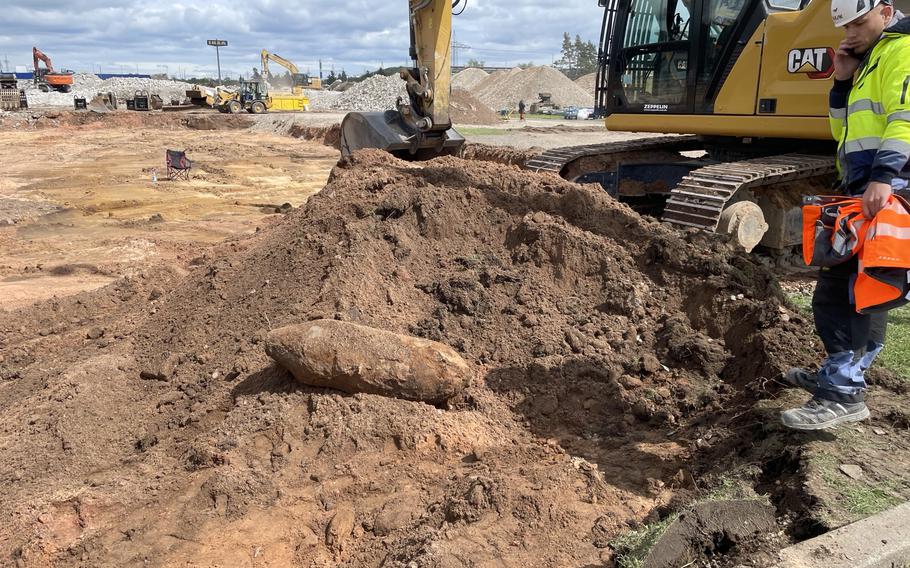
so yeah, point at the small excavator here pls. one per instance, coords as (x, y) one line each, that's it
(47, 79)
(299, 81)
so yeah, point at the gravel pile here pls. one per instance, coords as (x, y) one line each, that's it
(375, 93)
(469, 78)
(588, 82)
(503, 89)
(87, 86)
(321, 100)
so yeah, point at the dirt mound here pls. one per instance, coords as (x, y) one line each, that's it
(504, 89)
(466, 109)
(587, 83)
(469, 78)
(124, 118)
(614, 355)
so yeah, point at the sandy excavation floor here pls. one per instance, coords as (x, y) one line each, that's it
(622, 370)
(78, 206)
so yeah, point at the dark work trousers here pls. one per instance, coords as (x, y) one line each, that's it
(851, 340)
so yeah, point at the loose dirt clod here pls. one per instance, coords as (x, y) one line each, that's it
(710, 529)
(355, 358)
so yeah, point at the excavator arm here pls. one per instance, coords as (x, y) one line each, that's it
(420, 126)
(266, 56)
(38, 55)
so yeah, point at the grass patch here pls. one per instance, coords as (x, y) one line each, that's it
(803, 302)
(896, 355)
(858, 498)
(633, 547)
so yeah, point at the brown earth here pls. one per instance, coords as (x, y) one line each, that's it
(623, 368)
(467, 109)
(78, 207)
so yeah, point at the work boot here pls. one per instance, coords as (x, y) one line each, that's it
(818, 414)
(803, 379)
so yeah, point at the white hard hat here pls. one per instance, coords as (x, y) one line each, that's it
(845, 11)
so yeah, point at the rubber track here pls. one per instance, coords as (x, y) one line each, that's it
(701, 196)
(556, 159)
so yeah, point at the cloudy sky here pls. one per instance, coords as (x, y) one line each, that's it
(356, 35)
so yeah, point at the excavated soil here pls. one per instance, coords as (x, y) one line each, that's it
(616, 364)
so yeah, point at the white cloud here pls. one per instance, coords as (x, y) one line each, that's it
(119, 35)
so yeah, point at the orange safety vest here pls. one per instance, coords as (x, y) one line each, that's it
(835, 230)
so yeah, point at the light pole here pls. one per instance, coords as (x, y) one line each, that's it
(218, 43)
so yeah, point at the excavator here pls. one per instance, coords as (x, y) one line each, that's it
(740, 86)
(47, 79)
(299, 80)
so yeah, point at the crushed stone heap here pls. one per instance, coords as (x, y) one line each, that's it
(469, 78)
(503, 89)
(372, 94)
(614, 360)
(86, 85)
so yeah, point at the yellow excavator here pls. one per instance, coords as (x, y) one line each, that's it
(299, 81)
(742, 85)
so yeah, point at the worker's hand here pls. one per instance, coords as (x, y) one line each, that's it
(875, 198)
(845, 60)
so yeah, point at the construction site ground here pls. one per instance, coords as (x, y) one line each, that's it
(627, 375)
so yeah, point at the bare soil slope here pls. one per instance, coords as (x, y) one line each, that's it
(615, 362)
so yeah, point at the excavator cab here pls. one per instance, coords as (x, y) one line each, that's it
(420, 126)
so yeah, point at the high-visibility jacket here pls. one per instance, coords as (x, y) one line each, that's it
(834, 230)
(870, 116)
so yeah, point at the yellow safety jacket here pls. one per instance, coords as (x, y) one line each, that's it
(870, 115)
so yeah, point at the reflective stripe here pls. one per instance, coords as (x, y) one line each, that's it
(897, 146)
(860, 144)
(889, 230)
(866, 104)
(838, 113)
(900, 115)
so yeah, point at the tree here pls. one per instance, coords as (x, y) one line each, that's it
(577, 57)
(585, 56)
(343, 76)
(474, 63)
(331, 78)
(256, 76)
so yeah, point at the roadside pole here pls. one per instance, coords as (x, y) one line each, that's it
(218, 44)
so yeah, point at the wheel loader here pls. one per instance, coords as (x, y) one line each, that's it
(741, 85)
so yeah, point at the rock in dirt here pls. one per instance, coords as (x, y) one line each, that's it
(355, 358)
(161, 369)
(709, 529)
(340, 527)
(851, 470)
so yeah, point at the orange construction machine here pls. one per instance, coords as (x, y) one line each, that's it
(47, 79)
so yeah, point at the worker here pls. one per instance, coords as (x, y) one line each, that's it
(521, 109)
(870, 93)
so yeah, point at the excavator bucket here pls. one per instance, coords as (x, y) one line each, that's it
(390, 132)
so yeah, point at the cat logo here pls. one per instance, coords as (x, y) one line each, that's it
(816, 62)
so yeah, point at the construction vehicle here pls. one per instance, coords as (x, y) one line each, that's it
(299, 81)
(544, 105)
(11, 96)
(47, 79)
(251, 96)
(420, 126)
(745, 82)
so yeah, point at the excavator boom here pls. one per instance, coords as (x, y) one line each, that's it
(420, 126)
(47, 79)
